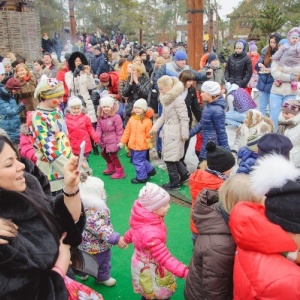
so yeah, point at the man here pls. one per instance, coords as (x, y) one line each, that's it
(46, 44)
(50, 69)
(146, 61)
(99, 64)
(166, 54)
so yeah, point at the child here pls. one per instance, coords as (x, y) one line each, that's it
(98, 235)
(289, 125)
(220, 162)
(248, 154)
(288, 55)
(175, 126)
(152, 265)
(110, 129)
(211, 267)
(136, 134)
(212, 123)
(49, 131)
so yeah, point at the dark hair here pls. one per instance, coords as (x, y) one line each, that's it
(38, 61)
(270, 51)
(186, 75)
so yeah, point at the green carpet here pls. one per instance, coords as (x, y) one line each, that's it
(121, 194)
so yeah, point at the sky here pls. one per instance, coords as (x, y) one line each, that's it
(227, 6)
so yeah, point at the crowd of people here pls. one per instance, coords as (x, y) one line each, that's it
(245, 221)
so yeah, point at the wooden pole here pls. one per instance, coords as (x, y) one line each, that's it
(72, 19)
(198, 32)
(141, 32)
(190, 35)
(211, 30)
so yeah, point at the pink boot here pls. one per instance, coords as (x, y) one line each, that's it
(119, 174)
(110, 169)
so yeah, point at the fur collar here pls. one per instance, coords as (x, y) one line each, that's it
(170, 96)
(295, 119)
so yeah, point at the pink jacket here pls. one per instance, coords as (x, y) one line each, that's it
(26, 147)
(80, 128)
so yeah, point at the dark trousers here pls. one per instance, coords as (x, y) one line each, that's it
(103, 260)
(111, 157)
(141, 164)
(176, 170)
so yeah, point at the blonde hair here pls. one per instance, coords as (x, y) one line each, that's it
(21, 65)
(167, 81)
(236, 189)
(12, 57)
(139, 68)
(160, 60)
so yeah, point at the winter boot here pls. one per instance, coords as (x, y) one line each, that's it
(110, 169)
(119, 174)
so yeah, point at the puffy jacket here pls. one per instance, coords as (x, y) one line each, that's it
(99, 65)
(148, 234)
(80, 129)
(260, 269)
(192, 105)
(211, 268)
(212, 125)
(113, 87)
(247, 160)
(26, 144)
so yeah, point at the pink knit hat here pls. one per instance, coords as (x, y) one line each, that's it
(152, 197)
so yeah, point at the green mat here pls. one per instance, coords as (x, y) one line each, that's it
(121, 194)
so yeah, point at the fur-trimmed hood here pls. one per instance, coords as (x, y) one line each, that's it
(272, 171)
(295, 119)
(170, 96)
(114, 110)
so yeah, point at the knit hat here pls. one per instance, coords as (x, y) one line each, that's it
(294, 32)
(283, 41)
(107, 101)
(239, 44)
(104, 77)
(2, 70)
(6, 62)
(274, 143)
(252, 141)
(74, 101)
(152, 197)
(219, 158)
(13, 84)
(211, 87)
(212, 56)
(252, 46)
(141, 103)
(291, 106)
(180, 55)
(49, 88)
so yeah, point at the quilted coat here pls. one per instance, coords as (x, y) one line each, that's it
(260, 269)
(211, 267)
(174, 122)
(212, 125)
(26, 144)
(80, 129)
(148, 234)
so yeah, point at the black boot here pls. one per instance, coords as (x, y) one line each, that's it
(174, 183)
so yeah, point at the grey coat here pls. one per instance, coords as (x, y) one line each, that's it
(175, 122)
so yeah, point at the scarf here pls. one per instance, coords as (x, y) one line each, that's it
(26, 78)
(217, 173)
(284, 125)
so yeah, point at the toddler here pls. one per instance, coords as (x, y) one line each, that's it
(79, 126)
(289, 55)
(152, 265)
(98, 235)
(110, 129)
(136, 134)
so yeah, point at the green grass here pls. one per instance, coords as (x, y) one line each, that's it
(121, 194)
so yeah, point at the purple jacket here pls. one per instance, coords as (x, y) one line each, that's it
(110, 130)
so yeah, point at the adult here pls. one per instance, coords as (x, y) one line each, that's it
(110, 81)
(37, 69)
(238, 69)
(57, 45)
(2, 74)
(146, 61)
(166, 54)
(35, 251)
(68, 47)
(265, 78)
(99, 64)
(9, 109)
(60, 75)
(50, 68)
(9, 70)
(46, 43)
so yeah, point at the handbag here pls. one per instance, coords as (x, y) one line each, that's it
(83, 262)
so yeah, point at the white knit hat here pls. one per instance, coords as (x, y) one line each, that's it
(107, 101)
(152, 197)
(141, 103)
(211, 87)
(2, 70)
(74, 101)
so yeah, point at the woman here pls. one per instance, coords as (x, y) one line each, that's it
(265, 78)
(82, 82)
(28, 84)
(35, 254)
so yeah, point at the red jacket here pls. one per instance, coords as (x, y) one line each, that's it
(80, 128)
(113, 87)
(260, 270)
(60, 75)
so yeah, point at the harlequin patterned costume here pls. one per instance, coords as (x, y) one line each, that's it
(51, 142)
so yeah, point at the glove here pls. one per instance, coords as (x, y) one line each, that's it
(95, 97)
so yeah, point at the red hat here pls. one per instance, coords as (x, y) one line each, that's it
(13, 84)
(104, 77)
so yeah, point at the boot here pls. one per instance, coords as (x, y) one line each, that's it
(95, 149)
(119, 174)
(110, 169)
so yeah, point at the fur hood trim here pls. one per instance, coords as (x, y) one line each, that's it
(295, 119)
(170, 96)
(114, 110)
(272, 171)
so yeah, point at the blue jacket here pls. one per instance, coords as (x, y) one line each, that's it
(212, 125)
(99, 65)
(248, 160)
(9, 114)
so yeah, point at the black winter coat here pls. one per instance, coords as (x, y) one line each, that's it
(26, 262)
(238, 69)
(192, 105)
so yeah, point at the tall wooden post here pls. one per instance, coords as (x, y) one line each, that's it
(72, 19)
(198, 31)
(211, 30)
(190, 35)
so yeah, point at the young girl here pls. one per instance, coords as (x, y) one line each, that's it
(152, 265)
(80, 127)
(136, 134)
(175, 129)
(98, 235)
(110, 129)
(211, 267)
